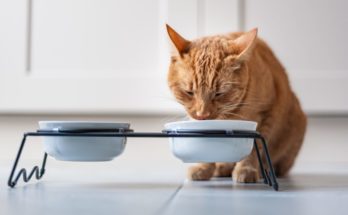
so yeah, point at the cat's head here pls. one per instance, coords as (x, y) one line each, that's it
(209, 76)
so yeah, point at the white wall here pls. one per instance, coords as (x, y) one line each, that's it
(88, 56)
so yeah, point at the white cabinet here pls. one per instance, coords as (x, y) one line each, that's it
(106, 56)
(84, 38)
(84, 56)
(310, 39)
(13, 40)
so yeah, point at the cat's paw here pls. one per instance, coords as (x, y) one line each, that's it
(246, 175)
(224, 169)
(200, 172)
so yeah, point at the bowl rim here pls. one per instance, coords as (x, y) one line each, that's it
(208, 121)
(84, 124)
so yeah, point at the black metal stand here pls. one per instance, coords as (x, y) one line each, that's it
(267, 173)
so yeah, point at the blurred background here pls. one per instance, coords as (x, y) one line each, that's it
(107, 60)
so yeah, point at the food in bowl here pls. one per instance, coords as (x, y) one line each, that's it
(206, 150)
(69, 148)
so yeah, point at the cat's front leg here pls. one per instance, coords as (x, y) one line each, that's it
(202, 171)
(247, 170)
(224, 169)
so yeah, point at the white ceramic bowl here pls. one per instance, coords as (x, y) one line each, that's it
(83, 148)
(196, 150)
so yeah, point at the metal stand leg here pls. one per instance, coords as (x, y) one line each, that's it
(23, 172)
(266, 180)
(272, 180)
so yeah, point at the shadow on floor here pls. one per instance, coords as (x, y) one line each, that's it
(315, 182)
(293, 183)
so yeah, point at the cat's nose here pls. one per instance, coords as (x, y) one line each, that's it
(202, 115)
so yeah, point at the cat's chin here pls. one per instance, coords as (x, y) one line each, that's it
(194, 119)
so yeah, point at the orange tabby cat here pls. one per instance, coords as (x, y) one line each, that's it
(237, 76)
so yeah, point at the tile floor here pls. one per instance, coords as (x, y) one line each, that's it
(147, 179)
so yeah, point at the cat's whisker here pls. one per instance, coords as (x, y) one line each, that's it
(231, 82)
(241, 105)
(226, 111)
(177, 117)
(234, 114)
(245, 107)
(248, 103)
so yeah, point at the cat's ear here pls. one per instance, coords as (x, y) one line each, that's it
(245, 44)
(181, 44)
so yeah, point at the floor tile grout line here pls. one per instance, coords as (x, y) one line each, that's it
(165, 205)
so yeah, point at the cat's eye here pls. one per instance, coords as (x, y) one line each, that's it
(188, 92)
(218, 94)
